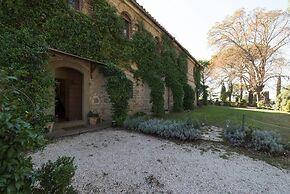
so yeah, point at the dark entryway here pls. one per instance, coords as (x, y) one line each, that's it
(68, 94)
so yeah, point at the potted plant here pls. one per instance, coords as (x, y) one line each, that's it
(93, 118)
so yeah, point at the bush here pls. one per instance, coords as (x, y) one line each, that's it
(227, 103)
(133, 123)
(235, 136)
(217, 103)
(287, 108)
(261, 104)
(164, 128)
(266, 141)
(242, 104)
(56, 177)
(25, 86)
(140, 114)
(188, 98)
(258, 140)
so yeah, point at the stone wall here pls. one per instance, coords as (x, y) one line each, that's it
(95, 97)
(99, 98)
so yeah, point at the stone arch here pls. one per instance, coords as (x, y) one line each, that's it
(83, 67)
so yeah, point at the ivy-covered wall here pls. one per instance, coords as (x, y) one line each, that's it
(99, 36)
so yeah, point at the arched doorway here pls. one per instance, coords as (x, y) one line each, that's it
(68, 94)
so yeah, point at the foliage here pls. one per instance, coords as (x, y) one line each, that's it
(168, 68)
(230, 91)
(258, 119)
(25, 95)
(144, 53)
(188, 99)
(74, 32)
(27, 28)
(261, 104)
(235, 136)
(114, 46)
(119, 89)
(287, 108)
(133, 123)
(282, 100)
(56, 177)
(164, 128)
(30, 13)
(252, 59)
(266, 141)
(223, 94)
(201, 74)
(173, 74)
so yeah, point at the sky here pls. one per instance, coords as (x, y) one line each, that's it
(190, 20)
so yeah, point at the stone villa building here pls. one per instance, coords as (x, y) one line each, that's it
(80, 85)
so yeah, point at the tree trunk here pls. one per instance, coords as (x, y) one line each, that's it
(241, 89)
(258, 92)
(251, 98)
(278, 87)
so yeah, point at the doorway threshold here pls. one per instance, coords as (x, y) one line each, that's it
(77, 130)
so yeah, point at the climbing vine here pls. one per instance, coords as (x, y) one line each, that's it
(120, 90)
(160, 67)
(145, 54)
(27, 29)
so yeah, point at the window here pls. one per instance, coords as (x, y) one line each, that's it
(74, 3)
(127, 27)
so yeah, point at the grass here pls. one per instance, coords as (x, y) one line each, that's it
(258, 119)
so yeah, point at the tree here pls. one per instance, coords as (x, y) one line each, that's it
(282, 99)
(204, 76)
(230, 91)
(258, 38)
(223, 94)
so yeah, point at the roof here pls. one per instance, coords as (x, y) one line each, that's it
(75, 56)
(146, 13)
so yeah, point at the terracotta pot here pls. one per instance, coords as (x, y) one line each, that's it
(93, 121)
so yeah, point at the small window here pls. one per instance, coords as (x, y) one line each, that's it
(127, 27)
(74, 3)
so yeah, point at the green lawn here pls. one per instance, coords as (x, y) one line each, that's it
(261, 119)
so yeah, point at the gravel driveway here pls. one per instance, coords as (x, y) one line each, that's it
(116, 161)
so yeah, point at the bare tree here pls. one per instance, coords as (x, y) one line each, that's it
(259, 36)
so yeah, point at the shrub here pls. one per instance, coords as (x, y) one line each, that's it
(164, 128)
(188, 98)
(261, 104)
(24, 98)
(235, 136)
(56, 177)
(266, 141)
(287, 108)
(258, 140)
(217, 103)
(243, 104)
(133, 123)
(140, 114)
(227, 103)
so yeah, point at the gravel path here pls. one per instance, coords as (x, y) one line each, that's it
(115, 161)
